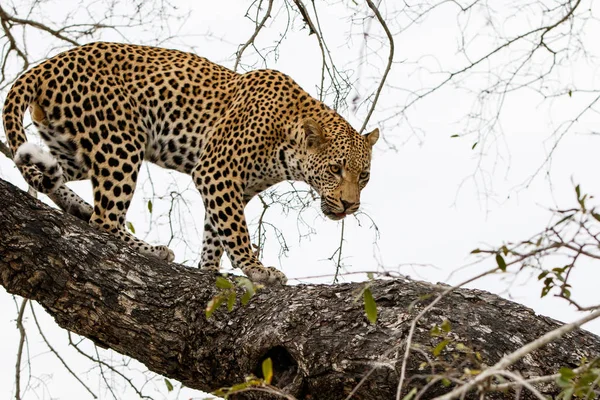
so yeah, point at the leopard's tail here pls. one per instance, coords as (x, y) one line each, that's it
(40, 169)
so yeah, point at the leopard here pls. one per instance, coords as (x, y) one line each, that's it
(103, 108)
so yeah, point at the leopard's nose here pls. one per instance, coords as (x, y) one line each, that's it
(348, 204)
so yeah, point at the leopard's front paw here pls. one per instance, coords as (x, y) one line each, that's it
(277, 276)
(164, 253)
(268, 276)
(210, 267)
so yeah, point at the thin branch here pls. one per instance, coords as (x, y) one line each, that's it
(5, 150)
(413, 326)
(538, 379)
(5, 20)
(22, 336)
(254, 35)
(519, 381)
(338, 264)
(110, 367)
(110, 389)
(388, 66)
(510, 359)
(35, 24)
(336, 76)
(58, 355)
(473, 64)
(305, 17)
(322, 48)
(261, 227)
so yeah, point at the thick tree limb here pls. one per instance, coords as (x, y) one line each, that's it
(317, 336)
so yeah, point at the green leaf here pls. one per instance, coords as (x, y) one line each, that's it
(246, 297)
(267, 370)
(568, 393)
(410, 394)
(542, 275)
(231, 301)
(150, 206)
(247, 284)
(501, 263)
(475, 251)
(169, 385)
(130, 227)
(546, 290)
(596, 216)
(213, 305)
(440, 347)
(223, 283)
(249, 288)
(570, 93)
(473, 147)
(446, 382)
(435, 331)
(210, 308)
(563, 383)
(370, 306)
(566, 373)
(446, 327)
(238, 387)
(461, 347)
(586, 379)
(455, 135)
(222, 392)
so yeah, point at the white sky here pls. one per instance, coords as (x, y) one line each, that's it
(434, 199)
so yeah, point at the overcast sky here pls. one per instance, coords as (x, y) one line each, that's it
(433, 197)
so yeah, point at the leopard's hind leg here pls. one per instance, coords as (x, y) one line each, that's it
(103, 154)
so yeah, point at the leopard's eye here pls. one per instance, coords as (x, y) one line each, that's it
(335, 169)
(364, 175)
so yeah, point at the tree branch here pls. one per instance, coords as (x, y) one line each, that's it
(259, 26)
(317, 336)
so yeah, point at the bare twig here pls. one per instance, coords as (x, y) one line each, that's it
(22, 336)
(538, 379)
(413, 326)
(5, 150)
(339, 87)
(338, 265)
(388, 66)
(305, 17)
(53, 350)
(19, 21)
(520, 382)
(102, 364)
(259, 26)
(513, 357)
(108, 385)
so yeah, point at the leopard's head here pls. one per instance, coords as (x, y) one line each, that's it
(338, 163)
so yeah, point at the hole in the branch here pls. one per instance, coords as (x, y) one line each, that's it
(284, 366)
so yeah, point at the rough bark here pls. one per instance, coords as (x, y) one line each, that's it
(317, 335)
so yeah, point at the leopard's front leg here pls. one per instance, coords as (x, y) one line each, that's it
(212, 250)
(225, 227)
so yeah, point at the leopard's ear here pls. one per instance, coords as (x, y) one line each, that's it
(315, 136)
(372, 137)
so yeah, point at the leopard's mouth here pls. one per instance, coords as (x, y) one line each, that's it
(335, 216)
